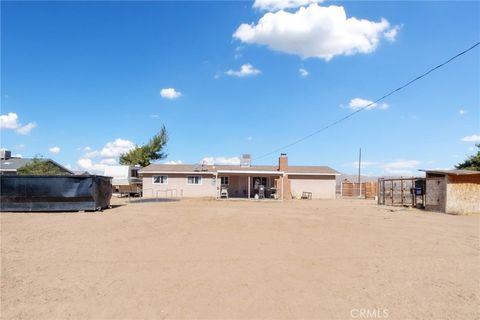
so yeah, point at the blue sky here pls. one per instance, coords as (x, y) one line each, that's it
(82, 81)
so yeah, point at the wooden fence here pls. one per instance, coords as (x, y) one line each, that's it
(365, 190)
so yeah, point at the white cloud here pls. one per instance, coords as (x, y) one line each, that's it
(109, 161)
(401, 164)
(245, 70)
(116, 148)
(365, 164)
(111, 149)
(221, 161)
(27, 128)
(391, 34)
(174, 162)
(17, 155)
(274, 5)
(462, 112)
(315, 31)
(89, 165)
(401, 167)
(472, 138)
(170, 93)
(303, 72)
(10, 121)
(54, 150)
(95, 161)
(359, 103)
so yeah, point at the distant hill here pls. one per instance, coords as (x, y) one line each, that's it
(354, 178)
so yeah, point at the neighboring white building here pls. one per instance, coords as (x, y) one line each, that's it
(242, 181)
(125, 178)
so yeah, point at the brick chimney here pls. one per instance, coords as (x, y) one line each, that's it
(283, 184)
(283, 162)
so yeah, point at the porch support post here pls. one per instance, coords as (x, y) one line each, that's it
(248, 187)
(216, 186)
(282, 185)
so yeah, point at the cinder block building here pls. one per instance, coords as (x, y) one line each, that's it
(453, 191)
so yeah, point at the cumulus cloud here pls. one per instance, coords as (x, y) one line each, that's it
(109, 161)
(393, 168)
(316, 31)
(303, 72)
(170, 93)
(174, 162)
(358, 103)
(391, 34)
(364, 164)
(245, 70)
(274, 5)
(221, 161)
(54, 150)
(401, 164)
(10, 121)
(472, 138)
(462, 112)
(116, 148)
(96, 160)
(88, 165)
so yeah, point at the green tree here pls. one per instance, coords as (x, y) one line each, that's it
(144, 155)
(41, 167)
(472, 163)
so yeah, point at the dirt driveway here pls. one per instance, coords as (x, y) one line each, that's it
(333, 259)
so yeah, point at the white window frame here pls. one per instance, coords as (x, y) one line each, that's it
(228, 181)
(200, 180)
(165, 176)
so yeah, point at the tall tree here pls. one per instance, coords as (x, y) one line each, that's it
(144, 155)
(40, 166)
(472, 163)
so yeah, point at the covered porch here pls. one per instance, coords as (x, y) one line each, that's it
(249, 184)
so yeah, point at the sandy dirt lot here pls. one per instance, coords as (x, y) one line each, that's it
(338, 259)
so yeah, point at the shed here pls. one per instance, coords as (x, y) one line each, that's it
(453, 191)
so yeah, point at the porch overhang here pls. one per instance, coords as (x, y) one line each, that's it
(244, 172)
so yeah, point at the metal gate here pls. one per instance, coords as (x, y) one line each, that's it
(402, 192)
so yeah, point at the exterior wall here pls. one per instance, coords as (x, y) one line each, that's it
(179, 182)
(463, 194)
(435, 193)
(321, 187)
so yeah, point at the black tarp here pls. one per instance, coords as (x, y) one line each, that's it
(54, 193)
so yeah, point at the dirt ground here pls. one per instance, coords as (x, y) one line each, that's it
(332, 259)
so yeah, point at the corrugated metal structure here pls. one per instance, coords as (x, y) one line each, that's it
(26, 193)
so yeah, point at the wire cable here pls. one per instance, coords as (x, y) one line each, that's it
(368, 105)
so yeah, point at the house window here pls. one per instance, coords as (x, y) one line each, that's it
(194, 180)
(224, 181)
(160, 179)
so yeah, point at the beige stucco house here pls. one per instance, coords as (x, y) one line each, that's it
(275, 181)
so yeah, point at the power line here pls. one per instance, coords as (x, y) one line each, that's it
(368, 105)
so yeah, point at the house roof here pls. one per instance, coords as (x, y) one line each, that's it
(456, 172)
(13, 164)
(187, 168)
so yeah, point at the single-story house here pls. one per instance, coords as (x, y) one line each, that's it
(453, 191)
(10, 165)
(239, 181)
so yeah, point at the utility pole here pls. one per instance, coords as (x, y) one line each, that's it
(359, 171)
